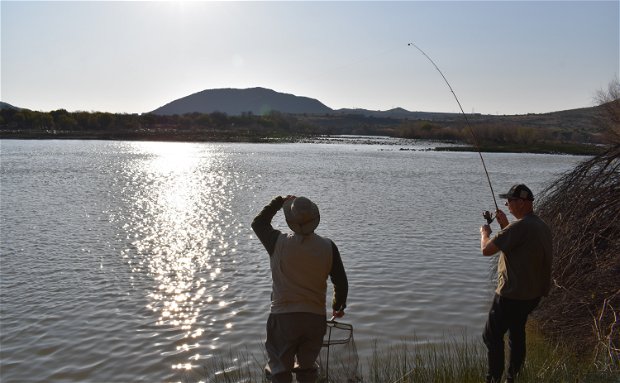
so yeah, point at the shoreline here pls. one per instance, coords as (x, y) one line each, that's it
(559, 148)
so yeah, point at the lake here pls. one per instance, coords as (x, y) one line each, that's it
(135, 261)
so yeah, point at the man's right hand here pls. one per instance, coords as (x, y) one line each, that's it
(501, 218)
(338, 314)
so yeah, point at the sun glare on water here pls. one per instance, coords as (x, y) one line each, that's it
(178, 240)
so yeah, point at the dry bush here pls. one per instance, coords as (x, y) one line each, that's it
(583, 210)
(610, 100)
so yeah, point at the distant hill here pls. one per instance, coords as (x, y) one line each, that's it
(234, 102)
(576, 125)
(4, 105)
(260, 101)
(398, 113)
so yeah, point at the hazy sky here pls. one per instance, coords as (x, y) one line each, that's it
(501, 57)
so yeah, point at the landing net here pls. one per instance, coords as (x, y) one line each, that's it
(338, 359)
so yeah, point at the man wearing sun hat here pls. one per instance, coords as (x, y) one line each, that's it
(300, 262)
(524, 276)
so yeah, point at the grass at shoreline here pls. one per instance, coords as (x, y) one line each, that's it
(459, 360)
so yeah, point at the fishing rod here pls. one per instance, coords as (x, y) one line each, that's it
(487, 215)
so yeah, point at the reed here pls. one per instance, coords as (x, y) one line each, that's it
(464, 361)
(455, 359)
(414, 361)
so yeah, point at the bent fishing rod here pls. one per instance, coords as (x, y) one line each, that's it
(487, 215)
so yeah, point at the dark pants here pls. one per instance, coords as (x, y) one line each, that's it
(294, 341)
(506, 315)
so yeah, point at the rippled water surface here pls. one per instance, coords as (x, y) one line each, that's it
(135, 261)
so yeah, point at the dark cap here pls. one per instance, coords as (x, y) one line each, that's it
(519, 191)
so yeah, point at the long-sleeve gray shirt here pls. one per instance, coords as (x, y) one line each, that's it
(300, 266)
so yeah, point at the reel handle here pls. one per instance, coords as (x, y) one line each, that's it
(487, 215)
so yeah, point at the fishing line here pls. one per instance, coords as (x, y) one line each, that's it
(471, 131)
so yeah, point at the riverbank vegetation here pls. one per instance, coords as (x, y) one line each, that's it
(463, 360)
(583, 208)
(457, 359)
(576, 131)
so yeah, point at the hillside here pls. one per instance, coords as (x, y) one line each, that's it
(262, 101)
(236, 102)
(4, 105)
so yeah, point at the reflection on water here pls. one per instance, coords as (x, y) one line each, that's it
(180, 225)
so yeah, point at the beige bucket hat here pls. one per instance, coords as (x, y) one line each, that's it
(302, 215)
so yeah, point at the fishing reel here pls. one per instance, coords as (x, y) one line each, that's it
(488, 216)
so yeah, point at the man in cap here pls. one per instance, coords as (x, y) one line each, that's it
(300, 262)
(524, 276)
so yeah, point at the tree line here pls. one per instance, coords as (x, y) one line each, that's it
(489, 133)
(62, 120)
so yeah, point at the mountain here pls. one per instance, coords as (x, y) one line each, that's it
(234, 102)
(4, 105)
(261, 101)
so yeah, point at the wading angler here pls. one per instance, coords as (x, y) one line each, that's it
(300, 262)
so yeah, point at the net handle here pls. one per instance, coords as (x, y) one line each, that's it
(341, 326)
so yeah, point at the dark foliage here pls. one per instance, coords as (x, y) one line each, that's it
(217, 126)
(583, 209)
(573, 131)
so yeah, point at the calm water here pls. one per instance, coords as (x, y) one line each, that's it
(135, 261)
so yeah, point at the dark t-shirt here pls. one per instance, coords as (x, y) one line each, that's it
(524, 266)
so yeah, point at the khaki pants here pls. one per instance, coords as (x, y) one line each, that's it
(294, 341)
